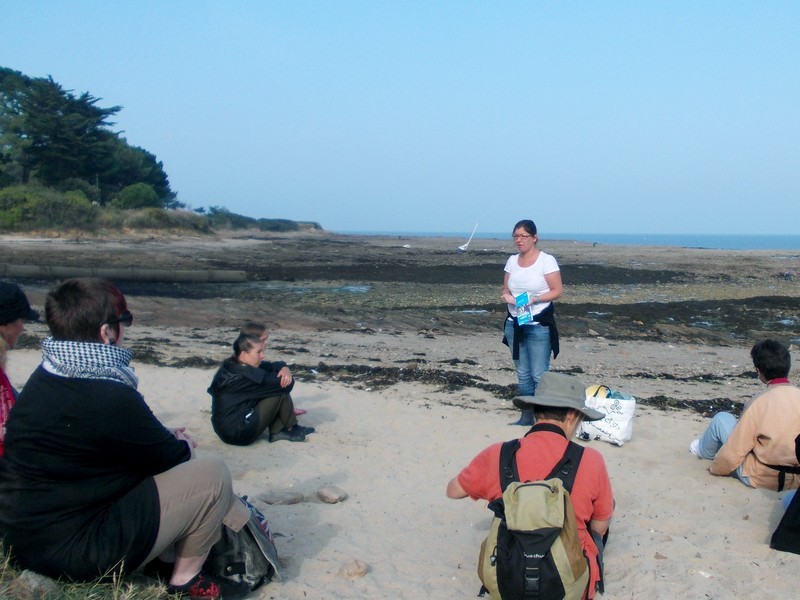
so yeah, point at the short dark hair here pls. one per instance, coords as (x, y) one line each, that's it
(527, 225)
(553, 413)
(772, 358)
(77, 308)
(244, 343)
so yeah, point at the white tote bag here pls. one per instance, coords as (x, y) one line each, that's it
(617, 426)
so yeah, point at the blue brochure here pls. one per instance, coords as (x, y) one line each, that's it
(524, 314)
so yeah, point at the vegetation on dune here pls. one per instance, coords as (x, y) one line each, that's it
(23, 584)
(63, 168)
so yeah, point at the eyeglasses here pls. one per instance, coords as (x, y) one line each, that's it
(521, 236)
(126, 318)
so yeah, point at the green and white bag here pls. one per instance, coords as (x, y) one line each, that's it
(617, 426)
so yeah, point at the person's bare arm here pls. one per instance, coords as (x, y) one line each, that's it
(599, 527)
(556, 287)
(505, 294)
(454, 489)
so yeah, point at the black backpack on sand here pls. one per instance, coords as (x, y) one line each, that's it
(247, 555)
(786, 537)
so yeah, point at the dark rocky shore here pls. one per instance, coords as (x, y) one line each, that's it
(319, 282)
(325, 281)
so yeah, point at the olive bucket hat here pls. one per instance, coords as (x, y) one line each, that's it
(561, 391)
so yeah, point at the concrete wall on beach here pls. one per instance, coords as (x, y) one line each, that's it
(124, 274)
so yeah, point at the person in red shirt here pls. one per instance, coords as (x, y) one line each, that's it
(14, 310)
(559, 407)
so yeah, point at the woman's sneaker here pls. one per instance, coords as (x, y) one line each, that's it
(694, 448)
(207, 587)
(301, 429)
(290, 435)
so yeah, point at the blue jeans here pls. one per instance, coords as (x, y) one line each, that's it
(713, 438)
(534, 355)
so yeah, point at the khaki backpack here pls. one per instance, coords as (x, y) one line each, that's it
(533, 551)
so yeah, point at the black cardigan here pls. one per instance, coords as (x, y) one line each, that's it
(546, 318)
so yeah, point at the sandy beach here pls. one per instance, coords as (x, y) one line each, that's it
(399, 363)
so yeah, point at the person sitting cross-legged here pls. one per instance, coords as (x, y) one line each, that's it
(250, 396)
(559, 407)
(92, 484)
(759, 448)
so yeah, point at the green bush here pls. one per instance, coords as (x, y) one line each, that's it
(138, 195)
(187, 219)
(161, 218)
(92, 192)
(277, 225)
(222, 218)
(110, 218)
(12, 204)
(32, 207)
(55, 210)
(147, 218)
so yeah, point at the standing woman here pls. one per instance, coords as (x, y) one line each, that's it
(14, 309)
(532, 281)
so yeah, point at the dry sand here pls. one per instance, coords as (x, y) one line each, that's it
(677, 531)
(392, 443)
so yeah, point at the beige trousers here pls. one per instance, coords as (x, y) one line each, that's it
(196, 499)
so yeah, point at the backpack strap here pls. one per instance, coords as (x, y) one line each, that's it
(508, 464)
(782, 471)
(567, 467)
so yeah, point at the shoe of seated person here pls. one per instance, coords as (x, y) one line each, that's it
(290, 435)
(694, 448)
(301, 429)
(204, 587)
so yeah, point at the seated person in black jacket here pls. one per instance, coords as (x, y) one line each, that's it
(92, 484)
(249, 395)
(259, 329)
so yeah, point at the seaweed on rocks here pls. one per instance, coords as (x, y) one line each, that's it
(706, 408)
(379, 377)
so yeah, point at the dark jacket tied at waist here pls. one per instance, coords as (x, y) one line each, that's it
(545, 318)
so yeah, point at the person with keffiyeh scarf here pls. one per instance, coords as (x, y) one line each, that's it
(92, 484)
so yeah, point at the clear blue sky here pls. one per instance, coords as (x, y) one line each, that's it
(622, 117)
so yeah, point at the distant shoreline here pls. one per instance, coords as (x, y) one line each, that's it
(682, 240)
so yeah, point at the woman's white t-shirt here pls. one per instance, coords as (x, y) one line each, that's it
(530, 279)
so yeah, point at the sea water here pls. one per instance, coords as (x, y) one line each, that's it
(711, 241)
(682, 240)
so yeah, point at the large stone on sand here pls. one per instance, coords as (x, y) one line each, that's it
(353, 569)
(330, 494)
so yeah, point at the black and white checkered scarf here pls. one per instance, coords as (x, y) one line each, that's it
(88, 360)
